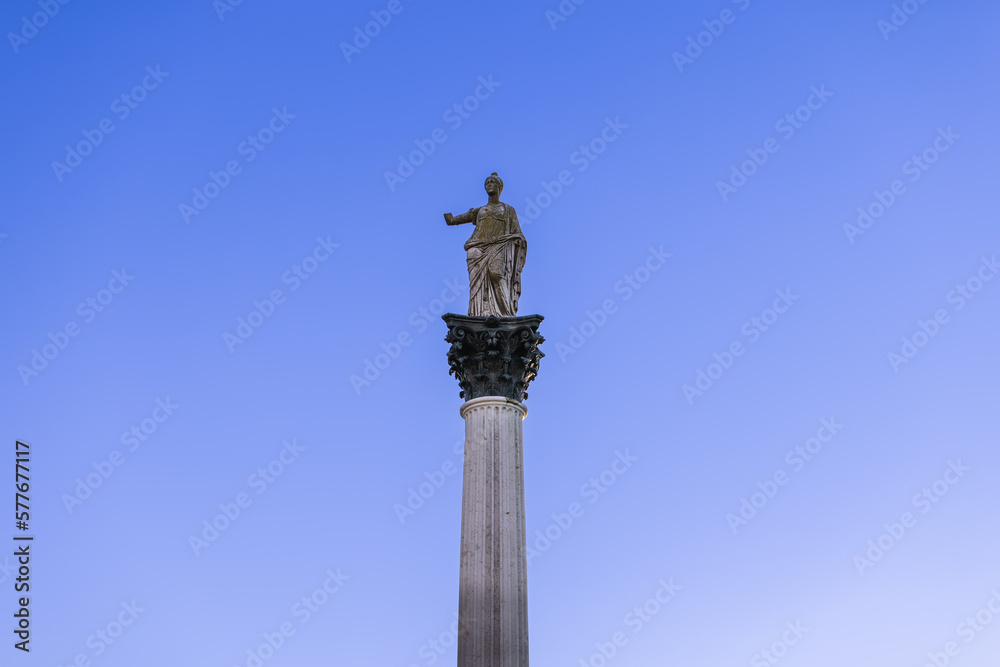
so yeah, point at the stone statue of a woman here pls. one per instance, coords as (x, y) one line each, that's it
(496, 252)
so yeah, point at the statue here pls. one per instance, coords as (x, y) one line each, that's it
(496, 252)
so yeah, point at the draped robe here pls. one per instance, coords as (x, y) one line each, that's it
(496, 253)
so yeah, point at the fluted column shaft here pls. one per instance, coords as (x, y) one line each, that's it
(493, 586)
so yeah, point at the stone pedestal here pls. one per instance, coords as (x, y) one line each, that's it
(494, 360)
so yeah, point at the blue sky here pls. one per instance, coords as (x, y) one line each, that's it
(779, 218)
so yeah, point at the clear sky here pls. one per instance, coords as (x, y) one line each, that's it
(763, 236)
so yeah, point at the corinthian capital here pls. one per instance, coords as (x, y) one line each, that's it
(494, 356)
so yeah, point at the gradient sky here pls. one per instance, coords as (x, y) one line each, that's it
(227, 77)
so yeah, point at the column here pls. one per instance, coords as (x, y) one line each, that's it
(494, 360)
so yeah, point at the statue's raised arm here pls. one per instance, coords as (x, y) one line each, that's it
(462, 218)
(495, 254)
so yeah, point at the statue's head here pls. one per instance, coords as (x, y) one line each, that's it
(494, 184)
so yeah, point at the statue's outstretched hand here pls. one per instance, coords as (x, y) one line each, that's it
(461, 219)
